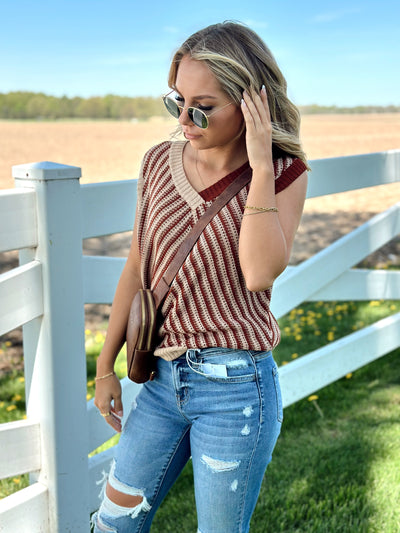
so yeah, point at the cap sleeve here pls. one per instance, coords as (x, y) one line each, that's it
(287, 170)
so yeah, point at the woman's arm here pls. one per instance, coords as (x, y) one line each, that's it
(108, 390)
(266, 238)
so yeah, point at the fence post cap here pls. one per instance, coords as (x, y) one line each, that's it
(45, 170)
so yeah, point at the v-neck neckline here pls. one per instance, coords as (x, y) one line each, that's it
(193, 197)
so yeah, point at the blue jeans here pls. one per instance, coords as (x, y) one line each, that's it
(221, 407)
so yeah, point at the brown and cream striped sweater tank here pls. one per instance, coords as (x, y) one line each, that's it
(208, 304)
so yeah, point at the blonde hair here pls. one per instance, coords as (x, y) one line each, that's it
(240, 60)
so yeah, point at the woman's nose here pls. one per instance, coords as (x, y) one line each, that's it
(184, 117)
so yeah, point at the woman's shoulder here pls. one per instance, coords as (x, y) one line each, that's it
(157, 150)
(287, 168)
(160, 152)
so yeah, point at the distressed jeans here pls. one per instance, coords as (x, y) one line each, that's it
(219, 406)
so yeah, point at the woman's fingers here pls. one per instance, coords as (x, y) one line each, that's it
(108, 401)
(258, 128)
(256, 106)
(115, 420)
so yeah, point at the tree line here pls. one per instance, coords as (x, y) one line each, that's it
(40, 106)
(333, 109)
(27, 105)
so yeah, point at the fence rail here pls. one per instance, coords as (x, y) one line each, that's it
(46, 217)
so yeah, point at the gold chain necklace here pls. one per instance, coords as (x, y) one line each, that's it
(197, 170)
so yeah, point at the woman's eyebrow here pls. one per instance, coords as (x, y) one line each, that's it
(200, 96)
(204, 96)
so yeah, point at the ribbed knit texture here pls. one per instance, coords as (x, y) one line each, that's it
(208, 303)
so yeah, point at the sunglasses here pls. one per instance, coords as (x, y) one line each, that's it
(196, 115)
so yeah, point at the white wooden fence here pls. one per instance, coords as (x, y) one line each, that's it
(46, 217)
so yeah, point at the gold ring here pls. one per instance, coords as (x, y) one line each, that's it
(105, 414)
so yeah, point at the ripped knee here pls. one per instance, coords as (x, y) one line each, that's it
(121, 500)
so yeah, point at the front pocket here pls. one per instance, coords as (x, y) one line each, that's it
(223, 368)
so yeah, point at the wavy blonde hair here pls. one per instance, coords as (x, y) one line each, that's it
(240, 60)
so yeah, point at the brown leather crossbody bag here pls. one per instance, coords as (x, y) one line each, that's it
(144, 319)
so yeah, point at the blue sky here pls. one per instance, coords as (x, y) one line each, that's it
(332, 53)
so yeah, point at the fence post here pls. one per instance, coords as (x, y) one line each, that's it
(55, 369)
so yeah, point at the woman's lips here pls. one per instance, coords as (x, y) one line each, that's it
(190, 136)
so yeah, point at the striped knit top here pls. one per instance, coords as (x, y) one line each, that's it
(208, 304)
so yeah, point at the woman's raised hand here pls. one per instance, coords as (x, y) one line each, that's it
(258, 129)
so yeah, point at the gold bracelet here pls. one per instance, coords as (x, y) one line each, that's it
(104, 377)
(262, 209)
(255, 213)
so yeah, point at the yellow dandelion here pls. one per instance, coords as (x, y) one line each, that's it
(21, 379)
(11, 408)
(8, 344)
(374, 303)
(99, 337)
(330, 336)
(17, 398)
(317, 332)
(24, 417)
(313, 399)
(90, 383)
(88, 332)
(330, 312)
(1, 405)
(295, 355)
(285, 363)
(300, 311)
(392, 307)
(349, 375)
(17, 480)
(88, 396)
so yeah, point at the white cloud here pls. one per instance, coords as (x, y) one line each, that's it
(171, 29)
(256, 24)
(330, 16)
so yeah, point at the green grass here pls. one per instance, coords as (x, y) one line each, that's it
(336, 467)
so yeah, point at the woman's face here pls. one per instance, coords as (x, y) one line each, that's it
(196, 86)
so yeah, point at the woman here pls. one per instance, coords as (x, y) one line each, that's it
(216, 395)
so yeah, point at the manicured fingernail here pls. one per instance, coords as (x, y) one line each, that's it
(264, 89)
(120, 414)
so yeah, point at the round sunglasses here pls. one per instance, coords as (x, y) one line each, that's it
(196, 115)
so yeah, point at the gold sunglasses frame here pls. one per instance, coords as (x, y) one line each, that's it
(191, 110)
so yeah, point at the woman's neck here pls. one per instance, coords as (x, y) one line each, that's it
(215, 163)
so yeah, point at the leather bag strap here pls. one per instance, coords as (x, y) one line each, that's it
(162, 287)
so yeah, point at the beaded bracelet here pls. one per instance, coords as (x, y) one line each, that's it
(104, 377)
